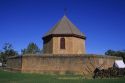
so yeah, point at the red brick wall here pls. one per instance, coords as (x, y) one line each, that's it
(65, 64)
(60, 64)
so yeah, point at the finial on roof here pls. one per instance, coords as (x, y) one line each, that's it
(65, 27)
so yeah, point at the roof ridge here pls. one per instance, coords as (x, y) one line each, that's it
(54, 27)
(69, 25)
(64, 27)
(58, 23)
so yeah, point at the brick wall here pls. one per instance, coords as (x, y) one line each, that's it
(14, 63)
(63, 64)
(73, 45)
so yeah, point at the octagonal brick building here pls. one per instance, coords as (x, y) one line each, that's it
(64, 38)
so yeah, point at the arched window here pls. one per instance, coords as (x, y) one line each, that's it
(62, 43)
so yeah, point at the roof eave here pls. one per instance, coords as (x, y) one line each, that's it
(64, 35)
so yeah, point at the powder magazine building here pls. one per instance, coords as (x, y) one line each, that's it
(63, 53)
(64, 38)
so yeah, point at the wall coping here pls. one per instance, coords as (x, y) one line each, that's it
(14, 57)
(65, 56)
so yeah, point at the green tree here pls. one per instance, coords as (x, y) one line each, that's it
(116, 53)
(110, 52)
(0, 56)
(7, 51)
(32, 48)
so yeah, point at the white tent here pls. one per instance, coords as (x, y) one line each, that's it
(0, 64)
(119, 64)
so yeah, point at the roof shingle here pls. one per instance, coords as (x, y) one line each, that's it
(64, 27)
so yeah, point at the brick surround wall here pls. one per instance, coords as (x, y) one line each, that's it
(61, 64)
(14, 63)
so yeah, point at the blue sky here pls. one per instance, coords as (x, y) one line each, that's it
(102, 21)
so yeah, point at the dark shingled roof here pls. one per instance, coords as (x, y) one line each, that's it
(64, 27)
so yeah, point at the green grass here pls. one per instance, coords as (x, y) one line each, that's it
(11, 77)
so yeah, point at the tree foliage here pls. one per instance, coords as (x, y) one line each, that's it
(116, 53)
(7, 51)
(32, 48)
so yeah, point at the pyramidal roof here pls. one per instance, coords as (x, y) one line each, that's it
(64, 27)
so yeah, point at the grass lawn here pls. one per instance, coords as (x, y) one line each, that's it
(11, 77)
